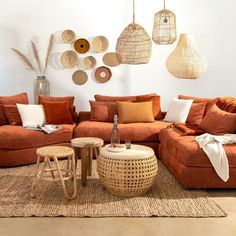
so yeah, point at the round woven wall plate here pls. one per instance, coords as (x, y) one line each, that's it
(100, 44)
(80, 77)
(69, 59)
(89, 62)
(81, 45)
(68, 36)
(102, 74)
(112, 59)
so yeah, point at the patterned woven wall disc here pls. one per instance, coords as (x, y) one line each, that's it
(112, 59)
(102, 74)
(80, 77)
(69, 59)
(100, 44)
(81, 45)
(68, 36)
(89, 62)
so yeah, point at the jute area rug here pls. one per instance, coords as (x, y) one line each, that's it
(166, 198)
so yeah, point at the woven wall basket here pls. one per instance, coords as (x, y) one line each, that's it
(186, 61)
(134, 45)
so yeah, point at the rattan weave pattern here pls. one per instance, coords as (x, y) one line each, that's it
(55, 151)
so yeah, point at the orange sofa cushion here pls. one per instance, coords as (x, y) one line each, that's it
(209, 101)
(196, 113)
(156, 104)
(218, 121)
(136, 132)
(227, 104)
(57, 112)
(103, 111)
(187, 151)
(129, 112)
(21, 98)
(104, 98)
(12, 114)
(17, 137)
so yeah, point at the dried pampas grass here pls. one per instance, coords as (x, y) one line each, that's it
(50, 48)
(36, 56)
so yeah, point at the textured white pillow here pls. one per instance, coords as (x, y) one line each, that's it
(178, 110)
(31, 115)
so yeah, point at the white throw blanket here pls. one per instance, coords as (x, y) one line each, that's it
(213, 147)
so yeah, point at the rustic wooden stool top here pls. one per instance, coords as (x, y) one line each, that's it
(54, 151)
(87, 142)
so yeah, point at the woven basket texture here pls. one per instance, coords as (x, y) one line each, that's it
(164, 27)
(134, 45)
(186, 61)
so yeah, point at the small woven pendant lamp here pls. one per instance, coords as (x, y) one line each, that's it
(186, 61)
(134, 44)
(164, 28)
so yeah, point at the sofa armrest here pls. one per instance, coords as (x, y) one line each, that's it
(84, 115)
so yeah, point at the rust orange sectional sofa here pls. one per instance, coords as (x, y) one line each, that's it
(180, 153)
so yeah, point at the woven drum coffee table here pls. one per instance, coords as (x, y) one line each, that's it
(128, 173)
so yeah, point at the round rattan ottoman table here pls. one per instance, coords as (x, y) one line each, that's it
(128, 173)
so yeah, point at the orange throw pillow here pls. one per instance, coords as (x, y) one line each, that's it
(57, 112)
(103, 111)
(156, 104)
(21, 98)
(218, 122)
(12, 114)
(130, 112)
(196, 113)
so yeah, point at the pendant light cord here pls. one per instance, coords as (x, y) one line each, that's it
(133, 11)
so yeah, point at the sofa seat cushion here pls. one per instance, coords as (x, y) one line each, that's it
(136, 132)
(17, 137)
(186, 150)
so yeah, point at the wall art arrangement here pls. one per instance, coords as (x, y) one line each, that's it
(82, 57)
(134, 45)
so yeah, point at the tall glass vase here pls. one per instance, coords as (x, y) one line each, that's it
(41, 88)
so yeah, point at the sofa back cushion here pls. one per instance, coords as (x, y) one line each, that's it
(12, 114)
(227, 104)
(156, 104)
(21, 98)
(103, 111)
(57, 112)
(209, 101)
(105, 98)
(130, 112)
(218, 121)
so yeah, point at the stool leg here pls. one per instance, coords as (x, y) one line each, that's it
(84, 165)
(50, 166)
(38, 176)
(76, 151)
(97, 151)
(90, 161)
(74, 176)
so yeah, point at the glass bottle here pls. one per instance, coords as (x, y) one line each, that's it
(115, 135)
(41, 87)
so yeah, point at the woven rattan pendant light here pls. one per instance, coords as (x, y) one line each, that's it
(186, 61)
(164, 27)
(134, 44)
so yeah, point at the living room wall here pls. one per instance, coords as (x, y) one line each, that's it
(211, 23)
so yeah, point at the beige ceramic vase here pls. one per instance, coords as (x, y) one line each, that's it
(186, 61)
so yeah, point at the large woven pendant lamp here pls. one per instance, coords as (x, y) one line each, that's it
(134, 44)
(186, 61)
(164, 28)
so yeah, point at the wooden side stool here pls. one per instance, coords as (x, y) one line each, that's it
(50, 156)
(87, 145)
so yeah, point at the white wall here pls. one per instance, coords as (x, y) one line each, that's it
(211, 22)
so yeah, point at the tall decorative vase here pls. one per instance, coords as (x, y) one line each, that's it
(41, 88)
(186, 61)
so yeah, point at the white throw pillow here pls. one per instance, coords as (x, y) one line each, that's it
(178, 110)
(31, 115)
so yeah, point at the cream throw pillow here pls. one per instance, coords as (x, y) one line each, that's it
(178, 110)
(31, 115)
